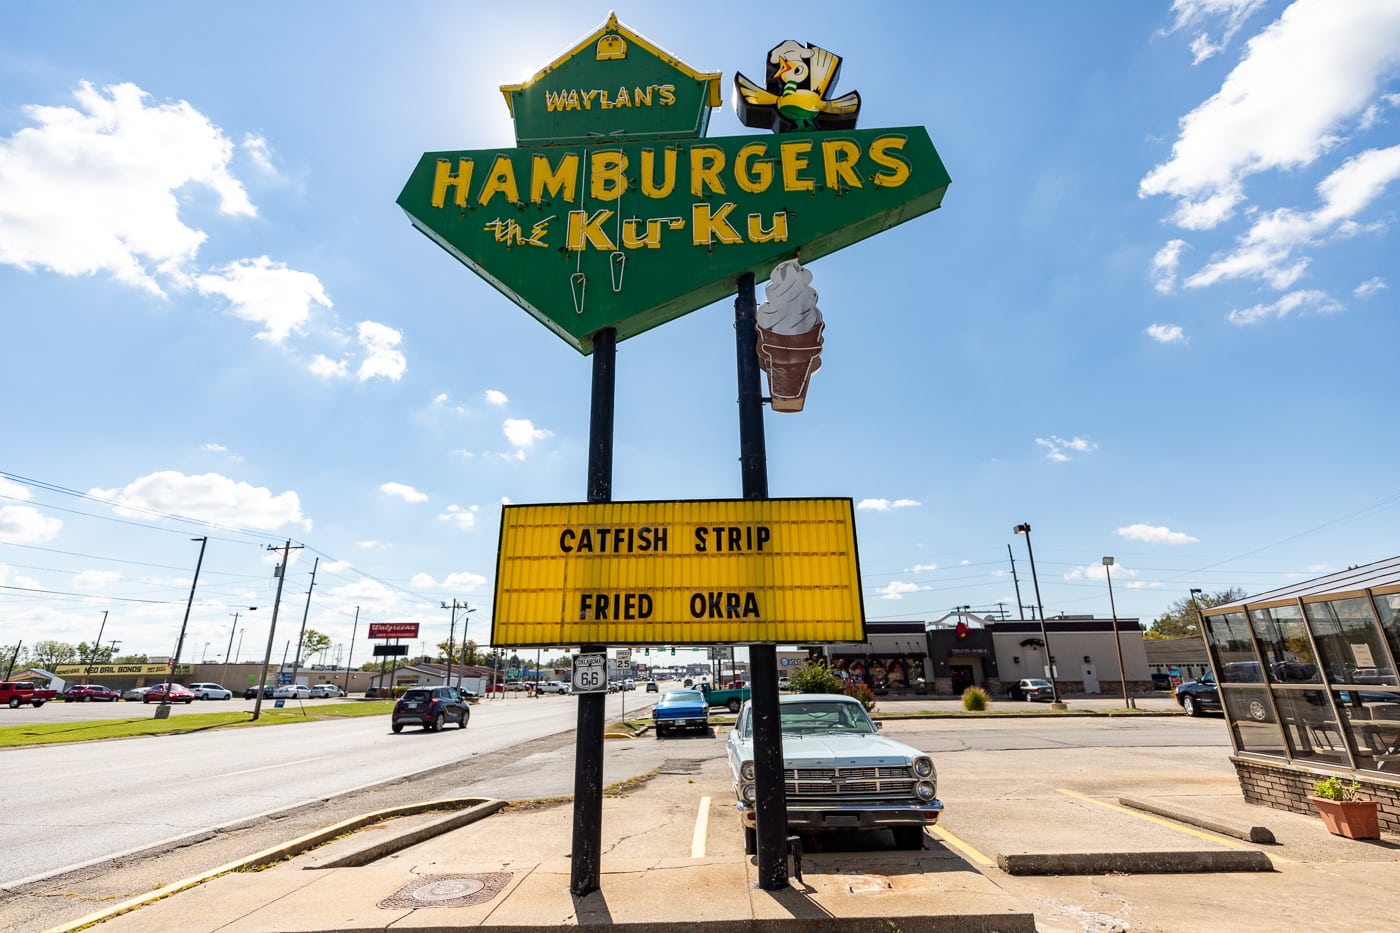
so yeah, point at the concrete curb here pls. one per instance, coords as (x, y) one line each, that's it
(476, 808)
(1257, 834)
(1140, 863)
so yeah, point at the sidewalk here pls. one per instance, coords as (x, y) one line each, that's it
(672, 860)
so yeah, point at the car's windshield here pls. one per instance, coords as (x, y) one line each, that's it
(813, 717)
(418, 695)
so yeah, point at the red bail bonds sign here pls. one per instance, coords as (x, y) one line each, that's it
(393, 630)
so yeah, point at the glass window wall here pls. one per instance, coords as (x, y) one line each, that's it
(1352, 649)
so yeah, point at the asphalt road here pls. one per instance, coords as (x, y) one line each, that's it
(71, 805)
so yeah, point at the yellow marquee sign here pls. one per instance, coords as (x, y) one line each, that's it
(69, 671)
(724, 571)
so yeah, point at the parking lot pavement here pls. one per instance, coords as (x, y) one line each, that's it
(672, 854)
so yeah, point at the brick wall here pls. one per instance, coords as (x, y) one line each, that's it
(1288, 787)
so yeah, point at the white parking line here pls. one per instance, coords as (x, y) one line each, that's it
(702, 823)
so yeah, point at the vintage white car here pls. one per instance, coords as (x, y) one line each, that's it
(839, 772)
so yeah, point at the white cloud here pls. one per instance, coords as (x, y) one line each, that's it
(1098, 572)
(1282, 107)
(1227, 15)
(496, 397)
(1155, 534)
(335, 566)
(93, 188)
(267, 293)
(406, 493)
(222, 450)
(1317, 301)
(923, 568)
(884, 505)
(523, 434)
(1369, 287)
(1058, 449)
(210, 498)
(24, 524)
(369, 545)
(1267, 250)
(258, 150)
(327, 368)
(1166, 333)
(381, 359)
(1165, 265)
(462, 582)
(1144, 584)
(370, 595)
(95, 579)
(465, 519)
(896, 589)
(11, 490)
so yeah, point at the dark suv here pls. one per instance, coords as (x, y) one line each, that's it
(430, 707)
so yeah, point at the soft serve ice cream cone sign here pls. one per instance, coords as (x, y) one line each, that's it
(615, 210)
(789, 335)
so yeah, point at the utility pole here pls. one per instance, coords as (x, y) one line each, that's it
(1016, 581)
(97, 646)
(272, 629)
(228, 653)
(163, 710)
(452, 630)
(301, 639)
(353, 629)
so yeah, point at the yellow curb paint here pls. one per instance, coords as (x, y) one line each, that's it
(962, 847)
(702, 825)
(1170, 824)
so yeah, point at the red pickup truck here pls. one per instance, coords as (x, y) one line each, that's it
(16, 693)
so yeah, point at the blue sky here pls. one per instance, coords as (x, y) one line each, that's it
(1151, 318)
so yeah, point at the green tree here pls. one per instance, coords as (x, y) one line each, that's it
(1180, 620)
(86, 654)
(313, 643)
(9, 656)
(465, 653)
(131, 659)
(46, 655)
(814, 677)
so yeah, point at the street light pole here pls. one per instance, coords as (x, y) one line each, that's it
(1025, 529)
(228, 652)
(1117, 639)
(452, 629)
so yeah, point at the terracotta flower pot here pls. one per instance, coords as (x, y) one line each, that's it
(1354, 819)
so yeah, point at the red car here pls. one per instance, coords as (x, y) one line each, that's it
(178, 694)
(88, 693)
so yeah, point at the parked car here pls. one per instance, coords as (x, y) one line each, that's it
(681, 711)
(292, 692)
(841, 773)
(320, 691)
(16, 693)
(87, 693)
(179, 693)
(251, 692)
(210, 692)
(1033, 688)
(731, 698)
(554, 686)
(1161, 682)
(1199, 696)
(783, 683)
(430, 707)
(135, 694)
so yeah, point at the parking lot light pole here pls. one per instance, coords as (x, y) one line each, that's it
(1117, 639)
(1025, 529)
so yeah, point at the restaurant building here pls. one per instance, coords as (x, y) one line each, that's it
(1307, 680)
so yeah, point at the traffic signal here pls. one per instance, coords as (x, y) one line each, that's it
(648, 652)
(673, 652)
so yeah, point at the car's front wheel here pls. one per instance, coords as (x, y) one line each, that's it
(87, 699)
(908, 837)
(1190, 706)
(466, 714)
(733, 706)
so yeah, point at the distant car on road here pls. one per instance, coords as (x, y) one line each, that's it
(430, 707)
(320, 691)
(652, 687)
(88, 693)
(179, 693)
(292, 692)
(1033, 688)
(210, 692)
(681, 711)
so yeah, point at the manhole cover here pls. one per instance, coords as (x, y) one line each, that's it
(680, 766)
(447, 891)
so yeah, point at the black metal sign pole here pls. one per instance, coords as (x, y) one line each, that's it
(771, 796)
(588, 751)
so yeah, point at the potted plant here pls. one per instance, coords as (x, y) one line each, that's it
(1343, 813)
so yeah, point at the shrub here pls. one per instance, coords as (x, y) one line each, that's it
(974, 699)
(1332, 788)
(814, 677)
(861, 692)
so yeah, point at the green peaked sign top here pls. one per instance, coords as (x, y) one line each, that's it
(613, 85)
(623, 216)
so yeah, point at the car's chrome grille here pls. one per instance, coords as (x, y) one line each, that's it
(849, 783)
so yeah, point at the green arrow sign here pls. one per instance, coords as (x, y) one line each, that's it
(614, 212)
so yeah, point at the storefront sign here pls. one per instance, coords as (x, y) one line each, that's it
(615, 211)
(393, 630)
(711, 572)
(69, 671)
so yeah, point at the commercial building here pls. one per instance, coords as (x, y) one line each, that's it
(1307, 681)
